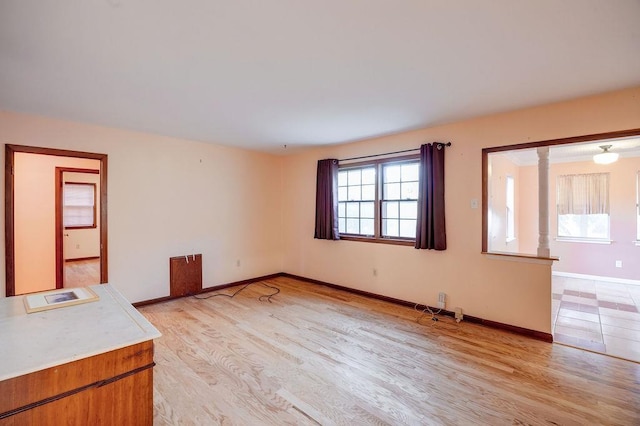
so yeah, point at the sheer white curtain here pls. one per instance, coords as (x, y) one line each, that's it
(583, 194)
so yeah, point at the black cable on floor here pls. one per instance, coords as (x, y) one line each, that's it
(262, 298)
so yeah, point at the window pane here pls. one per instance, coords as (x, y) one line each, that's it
(408, 228)
(354, 177)
(353, 209)
(78, 205)
(353, 226)
(368, 192)
(342, 209)
(369, 176)
(342, 178)
(598, 226)
(342, 193)
(391, 191)
(583, 226)
(390, 209)
(354, 193)
(342, 226)
(410, 172)
(390, 228)
(410, 191)
(408, 209)
(78, 216)
(391, 174)
(366, 227)
(367, 210)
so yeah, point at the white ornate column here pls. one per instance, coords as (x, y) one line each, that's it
(543, 202)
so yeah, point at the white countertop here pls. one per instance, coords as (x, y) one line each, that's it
(32, 342)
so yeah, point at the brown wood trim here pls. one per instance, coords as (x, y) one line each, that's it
(10, 272)
(521, 255)
(59, 236)
(78, 259)
(539, 335)
(564, 141)
(95, 198)
(378, 240)
(485, 200)
(58, 218)
(527, 145)
(104, 224)
(209, 289)
(10, 151)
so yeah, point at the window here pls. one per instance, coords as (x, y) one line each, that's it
(510, 205)
(638, 206)
(379, 200)
(583, 206)
(79, 205)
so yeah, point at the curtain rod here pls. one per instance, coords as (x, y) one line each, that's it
(390, 153)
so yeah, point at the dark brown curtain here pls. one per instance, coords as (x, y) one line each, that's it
(430, 229)
(327, 200)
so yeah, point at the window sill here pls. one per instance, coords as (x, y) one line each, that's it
(519, 257)
(510, 240)
(582, 240)
(637, 242)
(378, 240)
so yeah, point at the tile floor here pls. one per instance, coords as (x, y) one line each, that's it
(597, 315)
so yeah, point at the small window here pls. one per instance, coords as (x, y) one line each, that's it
(638, 207)
(583, 206)
(79, 205)
(378, 200)
(511, 206)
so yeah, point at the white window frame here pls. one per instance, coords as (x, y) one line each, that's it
(510, 207)
(583, 221)
(379, 201)
(79, 212)
(637, 241)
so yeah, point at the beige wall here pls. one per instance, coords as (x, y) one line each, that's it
(528, 210)
(35, 250)
(513, 292)
(169, 197)
(600, 259)
(83, 243)
(499, 168)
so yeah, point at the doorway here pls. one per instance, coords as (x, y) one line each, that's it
(35, 248)
(77, 227)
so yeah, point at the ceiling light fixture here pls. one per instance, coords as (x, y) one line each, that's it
(605, 157)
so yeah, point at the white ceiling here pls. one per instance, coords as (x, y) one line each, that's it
(576, 152)
(264, 73)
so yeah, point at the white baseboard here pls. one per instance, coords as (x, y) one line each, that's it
(596, 278)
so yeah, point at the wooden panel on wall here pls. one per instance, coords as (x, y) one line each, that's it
(185, 275)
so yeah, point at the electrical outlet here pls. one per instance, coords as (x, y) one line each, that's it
(458, 313)
(375, 272)
(238, 263)
(441, 300)
(618, 263)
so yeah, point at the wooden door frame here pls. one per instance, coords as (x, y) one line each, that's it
(9, 189)
(59, 227)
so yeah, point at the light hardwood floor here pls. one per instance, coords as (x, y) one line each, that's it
(81, 273)
(321, 356)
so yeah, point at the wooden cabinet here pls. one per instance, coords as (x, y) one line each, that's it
(114, 388)
(87, 364)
